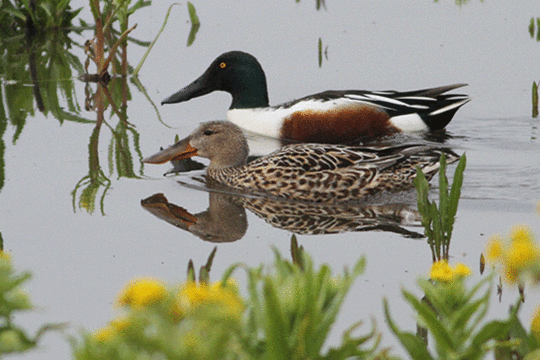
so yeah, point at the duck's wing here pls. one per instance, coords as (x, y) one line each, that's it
(324, 157)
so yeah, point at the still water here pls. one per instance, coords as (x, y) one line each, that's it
(82, 255)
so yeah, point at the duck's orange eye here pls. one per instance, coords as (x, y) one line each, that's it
(223, 65)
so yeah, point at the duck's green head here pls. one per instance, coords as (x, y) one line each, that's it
(235, 72)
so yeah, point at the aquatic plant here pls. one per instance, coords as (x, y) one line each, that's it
(534, 28)
(287, 314)
(517, 255)
(454, 314)
(438, 221)
(36, 16)
(13, 301)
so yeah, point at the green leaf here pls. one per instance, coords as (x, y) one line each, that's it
(534, 99)
(443, 193)
(531, 27)
(439, 332)
(276, 334)
(493, 330)
(455, 191)
(195, 23)
(320, 52)
(414, 345)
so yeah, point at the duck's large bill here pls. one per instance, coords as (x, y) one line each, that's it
(179, 151)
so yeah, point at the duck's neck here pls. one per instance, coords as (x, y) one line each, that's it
(251, 94)
(225, 175)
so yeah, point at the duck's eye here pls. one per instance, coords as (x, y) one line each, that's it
(223, 65)
(208, 132)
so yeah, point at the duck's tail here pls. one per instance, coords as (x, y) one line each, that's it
(443, 106)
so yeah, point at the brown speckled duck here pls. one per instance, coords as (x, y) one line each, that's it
(307, 172)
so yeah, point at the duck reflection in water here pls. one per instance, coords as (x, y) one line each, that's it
(225, 218)
(223, 221)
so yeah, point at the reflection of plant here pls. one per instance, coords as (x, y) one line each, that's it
(532, 30)
(47, 59)
(439, 222)
(460, 2)
(13, 300)
(36, 14)
(93, 181)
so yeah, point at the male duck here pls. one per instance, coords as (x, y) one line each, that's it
(308, 172)
(327, 117)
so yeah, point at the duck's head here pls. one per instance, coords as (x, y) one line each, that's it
(235, 72)
(220, 141)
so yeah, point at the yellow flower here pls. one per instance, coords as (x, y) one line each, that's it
(521, 233)
(105, 334)
(462, 270)
(443, 272)
(142, 292)
(112, 329)
(517, 256)
(120, 324)
(5, 256)
(192, 295)
(495, 249)
(521, 253)
(535, 323)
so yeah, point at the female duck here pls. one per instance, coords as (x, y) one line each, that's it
(337, 117)
(307, 172)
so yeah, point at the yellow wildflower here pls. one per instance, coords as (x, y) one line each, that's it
(521, 233)
(193, 294)
(495, 249)
(120, 324)
(443, 272)
(142, 292)
(113, 328)
(462, 270)
(518, 256)
(105, 333)
(4, 256)
(535, 323)
(521, 253)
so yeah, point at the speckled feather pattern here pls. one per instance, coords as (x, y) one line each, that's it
(332, 173)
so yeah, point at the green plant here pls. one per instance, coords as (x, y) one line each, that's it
(438, 221)
(287, 314)
(34, 15)
(453, 313)
(14, 300)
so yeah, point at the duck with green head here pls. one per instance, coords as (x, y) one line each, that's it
(333, 116)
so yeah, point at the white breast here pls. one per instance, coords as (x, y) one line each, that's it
(268, 121)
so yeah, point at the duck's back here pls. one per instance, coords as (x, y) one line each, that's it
(332, 173)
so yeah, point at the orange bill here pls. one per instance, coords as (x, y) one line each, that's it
(179, 151)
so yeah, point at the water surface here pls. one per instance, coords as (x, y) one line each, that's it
(81, 259)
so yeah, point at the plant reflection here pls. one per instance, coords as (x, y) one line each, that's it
(225, 218)
(111, 92)
(40, 58)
